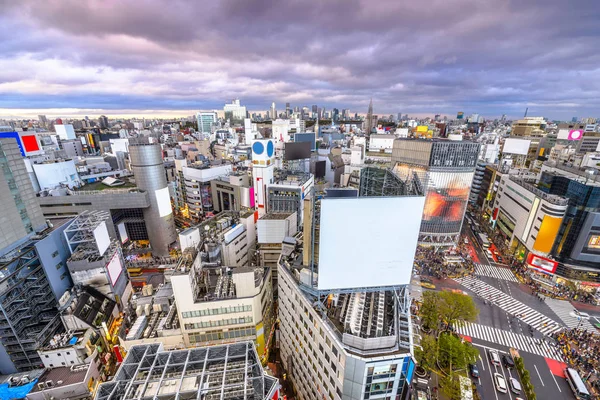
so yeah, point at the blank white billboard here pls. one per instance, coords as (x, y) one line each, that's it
(164, 201)
(102, 238)
(114, 268)
(368, 241)
(123, 232)
(516, 146)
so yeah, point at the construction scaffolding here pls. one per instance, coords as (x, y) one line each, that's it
(230, 371)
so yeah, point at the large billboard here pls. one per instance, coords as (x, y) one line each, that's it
(570, 134)
(114, 268)
(446, 202)
(368, 241)
(297, 150)
(547, 234)
(516, 146)
(101, 237)
(541, 263)
(163, 200)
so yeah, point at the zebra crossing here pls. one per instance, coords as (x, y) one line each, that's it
(537, 320)
(495, 272)
(563, 310)
(510, 339)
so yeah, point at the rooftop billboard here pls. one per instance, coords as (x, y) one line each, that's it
(368, 241)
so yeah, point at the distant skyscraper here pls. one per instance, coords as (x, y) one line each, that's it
(103, 122)
(273, 111)
(399, 116)
(369, 122)
(574, 119)
(206, 121)
(42, 120)
(335, 115)
(288, 110)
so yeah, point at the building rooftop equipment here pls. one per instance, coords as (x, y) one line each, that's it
(230, 371)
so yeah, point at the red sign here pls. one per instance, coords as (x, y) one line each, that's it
(30, 143)
(541, 263)
(495, 215)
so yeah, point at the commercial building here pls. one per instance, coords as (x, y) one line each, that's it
(234, 111)
(477, 182)
(20, 214)
(228, 371)
(381, 143)
(194, 185)
(56, 173)
(34, 276)
(446, 169)
(206, 120)
(287, 192)
(528, 218)
(224, 305)
(577, 246)
(149, 171)
(529, 126)
(232, 192)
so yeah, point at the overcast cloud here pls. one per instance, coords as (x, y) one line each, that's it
(431, 56)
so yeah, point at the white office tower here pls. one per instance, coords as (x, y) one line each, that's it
(263, 165)
(345, 330)
(250, 130)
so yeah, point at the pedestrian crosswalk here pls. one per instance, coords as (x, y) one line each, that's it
(565, 311)
(495, 272)
(535, 319)
(510, 339)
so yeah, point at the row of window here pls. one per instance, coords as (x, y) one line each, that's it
(221, 322)
(216, 311)
(220, 335)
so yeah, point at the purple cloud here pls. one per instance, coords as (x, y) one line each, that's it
(433, 56)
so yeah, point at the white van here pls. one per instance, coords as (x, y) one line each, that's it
(515, 386)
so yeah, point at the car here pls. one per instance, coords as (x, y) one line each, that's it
(426, 283)
(489, 253)
(515, 386)
(580, 315)
(500, 383)
(507, 361)
(473, 370)
(466, 241)
(499, 257)
(494, 357)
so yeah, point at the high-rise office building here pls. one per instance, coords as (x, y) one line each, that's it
(33, 274)
(149, 171)
(103, 122)
(206, 120)
(42, 121)
(369, 123)
(288, 110)
(235, 111)
(273, 111)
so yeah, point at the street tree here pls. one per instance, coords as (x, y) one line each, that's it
(426, 354)
(456, 307)
(454, 353)
(430, 310)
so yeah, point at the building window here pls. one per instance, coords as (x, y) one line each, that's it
(59, 266)
(55, 254)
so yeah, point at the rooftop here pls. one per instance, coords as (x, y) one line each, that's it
(230, 371)
(366, 323)
(551, 198)
(217, 283)
(275, 216)
(63, 376)
(294, 178)
(98, 185)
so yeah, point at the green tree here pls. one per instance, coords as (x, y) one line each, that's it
(455, 354)
(426, 354)
(450, 386)
(430, 310)
(456, 307)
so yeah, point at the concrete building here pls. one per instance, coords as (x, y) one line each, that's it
(206, 120)
(227, 371)
(232, 192)
(56, 173)
(72, 148)
(528, 218)
(20, 215)
(381, 143)
(65, 132)
(149, 171)
(194, 183)
(529, 126)
(326, 359)
(446, 169)
(272, 230)
(224, 305)
(477, 181)
(235, 111)
(287, 192)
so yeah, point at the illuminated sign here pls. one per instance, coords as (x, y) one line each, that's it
(541, 263)
(594, 242)
(575, 134)
(422, 128)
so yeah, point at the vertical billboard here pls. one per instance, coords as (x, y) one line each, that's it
(541, 264)
(446, 201)
(114, 268)
(547, 234)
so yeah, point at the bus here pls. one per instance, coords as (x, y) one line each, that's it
(483, 240)
(577, 385)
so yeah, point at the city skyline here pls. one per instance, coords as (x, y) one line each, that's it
(421, 59)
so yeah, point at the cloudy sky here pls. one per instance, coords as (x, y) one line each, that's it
(76, 57)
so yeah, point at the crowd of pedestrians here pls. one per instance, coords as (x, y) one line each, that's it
(436, 263)
(580, 348)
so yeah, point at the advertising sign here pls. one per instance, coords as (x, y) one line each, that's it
(460, 115)
(446, 201)
(542, 264)
(575, 134)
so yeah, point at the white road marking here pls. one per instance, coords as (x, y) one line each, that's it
(538, 372)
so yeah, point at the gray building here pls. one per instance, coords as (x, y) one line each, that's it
(446, 169)
(20, 214)
(149, 171)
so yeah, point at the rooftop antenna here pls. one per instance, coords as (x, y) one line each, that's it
(527, 109)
